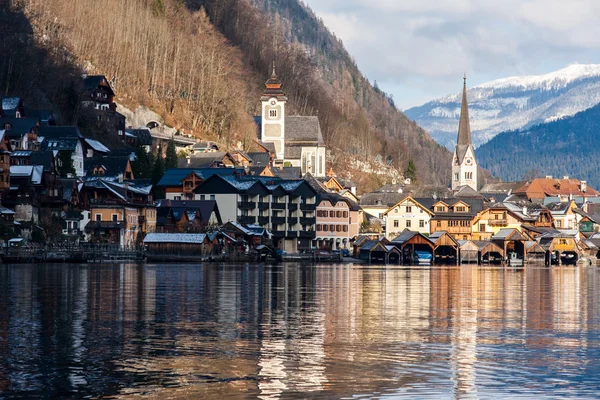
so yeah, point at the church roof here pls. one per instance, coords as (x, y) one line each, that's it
(464, 128)
(303, 129)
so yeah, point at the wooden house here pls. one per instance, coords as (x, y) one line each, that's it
(446, 250)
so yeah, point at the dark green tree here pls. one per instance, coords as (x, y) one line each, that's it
(159, 169)
(65, 163)
(143, 166)
(411, 171)
(171, 159)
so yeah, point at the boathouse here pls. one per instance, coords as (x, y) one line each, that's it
(409, 242)
(186, 245)
(446, 249)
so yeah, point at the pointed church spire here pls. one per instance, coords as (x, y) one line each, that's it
(273, 74)
(274, 86)
(464, 128)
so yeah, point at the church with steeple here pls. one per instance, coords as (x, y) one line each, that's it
(297, 141)
(464, 164)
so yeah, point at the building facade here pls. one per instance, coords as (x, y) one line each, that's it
(407, 214)
(464, 164)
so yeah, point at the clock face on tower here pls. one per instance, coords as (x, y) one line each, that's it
(273, 102)
(468, 160)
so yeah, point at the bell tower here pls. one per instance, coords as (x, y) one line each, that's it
(464, 164)
(273, 115)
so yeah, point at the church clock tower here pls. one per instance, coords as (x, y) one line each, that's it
(464, 165)
(273, 115)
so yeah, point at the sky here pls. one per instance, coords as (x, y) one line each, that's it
(419, 50)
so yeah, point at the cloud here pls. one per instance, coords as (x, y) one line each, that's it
(425, 46)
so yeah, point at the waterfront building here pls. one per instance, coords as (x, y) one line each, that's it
(287, 208)
(464, 164)
(407, 214)
(500, 216)
(119, 211)
(297, 140)
(187, 215)
(179, 183)
(453, 215)
(337, 221)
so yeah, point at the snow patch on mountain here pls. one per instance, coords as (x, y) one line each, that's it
(512, 103)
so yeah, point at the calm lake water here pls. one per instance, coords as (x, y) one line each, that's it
(247, 331)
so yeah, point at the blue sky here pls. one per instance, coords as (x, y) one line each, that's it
(418, 50)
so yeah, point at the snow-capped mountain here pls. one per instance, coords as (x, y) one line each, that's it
(512, 103)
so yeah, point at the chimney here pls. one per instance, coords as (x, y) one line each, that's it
(524, 210)
(566, 177)
(548, 176)
(583, 186)
(120, 177)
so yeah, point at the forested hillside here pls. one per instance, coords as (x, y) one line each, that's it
(570, 146)
(201, 64)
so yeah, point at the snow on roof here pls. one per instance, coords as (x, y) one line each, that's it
(190, 238)
(97, 146)
(10, 103)
(33, 171)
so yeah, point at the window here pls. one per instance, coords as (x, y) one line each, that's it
(481, 227)
(338, 228)
(468, 175)
(202, 197)
(439, 224)
(408, 223)
(98, 217)
(421, 223)
(331, 214)
(396, 223)
(345, 214)
(338, 214)
(272, 113)
(345, 228)
(114, 217)
(456, 176)
(212, 196)
(460, 209)
(325, 228)
(558, 223)
(319, 227)
(177, 198)
(440, 209)
(408, 209)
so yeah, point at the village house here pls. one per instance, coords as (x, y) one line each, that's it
(119, 211)
(22, 132)
(187, 215)
(180, 183)
(216, 159)
(5, 150)
(564, 189)
(455, 216)
(500, 216)
(297, 140)
(68, 139)
(286, 208)
(98, 100)
(407, 214)
(564, 215)
(337, 222)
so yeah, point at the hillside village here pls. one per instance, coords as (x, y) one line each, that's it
(174, 197)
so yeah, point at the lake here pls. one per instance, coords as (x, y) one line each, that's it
(293, 331)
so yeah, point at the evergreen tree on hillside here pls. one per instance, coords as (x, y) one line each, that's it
(411, 171)
(159, 166)
(171, 159)
(65, 163)
(143, 166)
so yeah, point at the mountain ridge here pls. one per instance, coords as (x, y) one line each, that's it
(513, 103)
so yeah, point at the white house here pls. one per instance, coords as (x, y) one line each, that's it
(407, 214)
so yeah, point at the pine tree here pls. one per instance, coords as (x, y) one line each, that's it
(143, 166)
(171, 159)
(411, 171)
(65, 164)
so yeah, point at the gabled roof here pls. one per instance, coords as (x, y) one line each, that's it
(509, 234)
(381, 199)
(59, 132)
(142, 135)
(288, 172)
(34, 173)
(300, 129)
(260, 158)
(19, 126)
(97, 146)
(407, 235)
(113, 165)
(174, 176)
(540, 188)
(204, 160)
(91, 82)
(467, 192)
(410, 199)
(58, 144)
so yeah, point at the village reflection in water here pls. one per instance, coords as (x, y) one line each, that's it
(169, 331)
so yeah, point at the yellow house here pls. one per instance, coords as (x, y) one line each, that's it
(499, 216)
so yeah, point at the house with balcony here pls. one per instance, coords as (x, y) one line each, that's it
(22, 132)
(454, 215)
(187, 215)
(287, 208)
(501, 216)
(407, 214)
(179, 183)
(119, 211)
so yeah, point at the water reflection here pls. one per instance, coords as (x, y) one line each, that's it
(193, 331)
